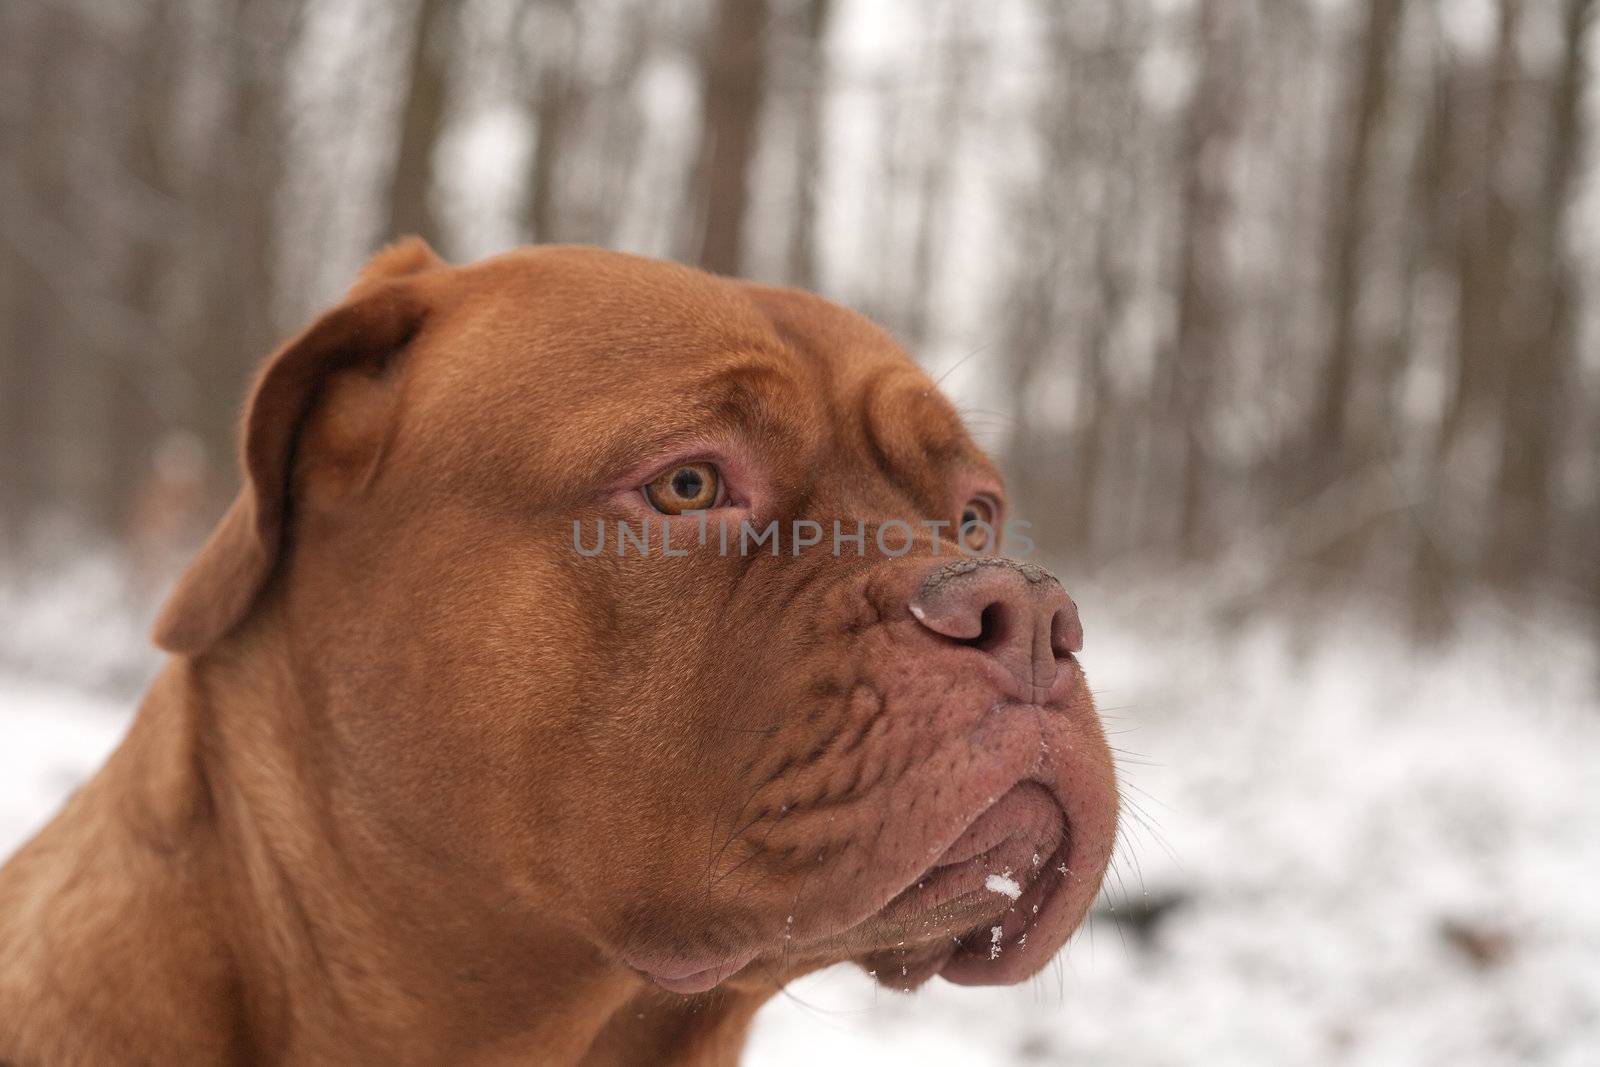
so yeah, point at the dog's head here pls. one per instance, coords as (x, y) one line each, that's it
(666, 609)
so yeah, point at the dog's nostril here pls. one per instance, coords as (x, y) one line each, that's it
(1066, 631)
(994, 627)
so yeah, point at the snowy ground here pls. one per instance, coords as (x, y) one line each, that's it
(1338, 853)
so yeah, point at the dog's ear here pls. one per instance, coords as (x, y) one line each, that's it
(404, 258)
(335, 381)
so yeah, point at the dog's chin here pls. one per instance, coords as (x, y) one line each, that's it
(981, 899)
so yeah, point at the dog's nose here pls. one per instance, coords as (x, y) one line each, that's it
(1016, 612)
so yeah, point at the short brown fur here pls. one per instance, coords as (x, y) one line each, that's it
(422, 785)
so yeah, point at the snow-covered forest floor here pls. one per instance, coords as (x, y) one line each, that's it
(1337, 850)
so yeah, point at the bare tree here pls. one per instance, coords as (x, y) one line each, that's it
(36, 126)
(731, 108)
(232, 248)
(137, 415)
(808, 105)
(422, 119)
(952, 56)
(1200, 342)
(557, 93)
(1348, 217)
(1484, 238)
(1534, 396)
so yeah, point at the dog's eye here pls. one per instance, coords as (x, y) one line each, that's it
(688, 487)
(977, 525)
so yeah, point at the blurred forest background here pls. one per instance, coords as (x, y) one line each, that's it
(1302, 291)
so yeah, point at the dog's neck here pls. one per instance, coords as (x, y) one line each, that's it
(204, 863)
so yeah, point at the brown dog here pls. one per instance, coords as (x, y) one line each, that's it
(430, 780)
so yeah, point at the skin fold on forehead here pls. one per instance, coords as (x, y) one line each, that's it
(633, 361)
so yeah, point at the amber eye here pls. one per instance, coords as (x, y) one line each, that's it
(689, 487)
(978, 533)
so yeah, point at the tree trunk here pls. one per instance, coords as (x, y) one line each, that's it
(1532, 422)
(1484, 239)
(1201, 337)
(1347, 228)
(1095, 397)
(421, 122)
(949, 68)
(556, 94)
(31, 346)
(1435, 183)
(808, 159)
(233, 249)
(134, 422)
(730, 125)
